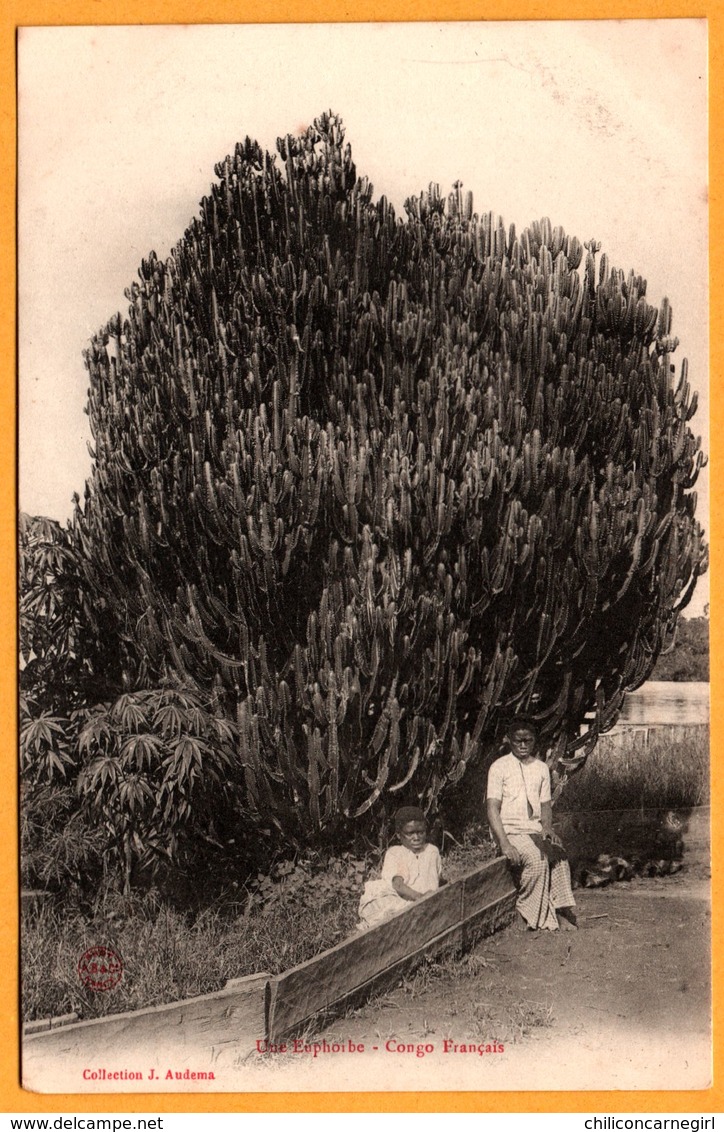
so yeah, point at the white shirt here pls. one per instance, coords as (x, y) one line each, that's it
(520, 788)
(420, 871)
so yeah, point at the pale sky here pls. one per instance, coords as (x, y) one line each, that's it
(601, 126)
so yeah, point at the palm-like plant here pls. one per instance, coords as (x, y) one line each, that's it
(157, 774)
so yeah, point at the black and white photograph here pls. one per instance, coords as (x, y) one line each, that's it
(363, 557)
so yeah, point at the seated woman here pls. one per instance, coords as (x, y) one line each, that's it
(521, 820)
(409, 871)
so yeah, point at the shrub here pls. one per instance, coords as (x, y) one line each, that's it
(686, 655)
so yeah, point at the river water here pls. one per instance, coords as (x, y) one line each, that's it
(660, 702)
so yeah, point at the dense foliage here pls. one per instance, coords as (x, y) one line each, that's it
(366, 485)
(686, 656)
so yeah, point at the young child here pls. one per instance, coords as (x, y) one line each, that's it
(409, 871)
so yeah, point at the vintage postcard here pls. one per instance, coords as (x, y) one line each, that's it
(363, 435)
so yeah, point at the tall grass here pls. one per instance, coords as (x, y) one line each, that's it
(166, 955)
(661, 768)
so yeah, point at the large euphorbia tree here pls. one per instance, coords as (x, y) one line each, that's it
(375, 482)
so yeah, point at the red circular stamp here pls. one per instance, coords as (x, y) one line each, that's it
(100, 968)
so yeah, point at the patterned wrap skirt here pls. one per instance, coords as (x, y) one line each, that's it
(543, 886)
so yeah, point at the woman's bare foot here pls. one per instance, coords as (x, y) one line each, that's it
(567, 921)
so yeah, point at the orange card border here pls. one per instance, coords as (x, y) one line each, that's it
(17, 13)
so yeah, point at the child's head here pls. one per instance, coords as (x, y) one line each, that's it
(411, 828)
(522, 737)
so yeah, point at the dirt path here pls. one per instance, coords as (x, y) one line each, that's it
(622, 1003)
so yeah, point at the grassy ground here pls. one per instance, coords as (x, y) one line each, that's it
(476, 980)
(168, 955)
